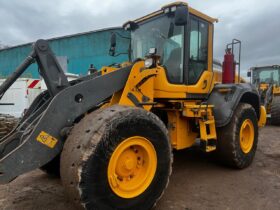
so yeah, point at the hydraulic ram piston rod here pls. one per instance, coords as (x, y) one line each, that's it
(17, 73)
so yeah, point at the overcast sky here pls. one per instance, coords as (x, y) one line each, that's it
(255, 22)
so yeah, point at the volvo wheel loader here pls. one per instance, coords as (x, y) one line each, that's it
(267, 81)
(112, 132)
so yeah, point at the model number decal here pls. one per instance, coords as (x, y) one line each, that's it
(47, 139)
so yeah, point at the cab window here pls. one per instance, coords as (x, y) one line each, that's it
(198, 60)
(173, 55)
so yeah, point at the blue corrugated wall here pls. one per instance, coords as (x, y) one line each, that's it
(81, 50)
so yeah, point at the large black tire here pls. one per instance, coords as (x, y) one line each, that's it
(7, 124)
(228, 143)
(275, 111)
(89, 147)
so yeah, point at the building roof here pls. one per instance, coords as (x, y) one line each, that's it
(63, 37)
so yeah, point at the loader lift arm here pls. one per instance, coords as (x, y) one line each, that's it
(39, 136)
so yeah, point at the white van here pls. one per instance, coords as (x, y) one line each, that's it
(19, 96)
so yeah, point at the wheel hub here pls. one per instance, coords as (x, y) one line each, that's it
(247, 136)
(129, 164)
(132, 167)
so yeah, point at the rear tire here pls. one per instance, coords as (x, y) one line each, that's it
(275, 111)
(237, 141)
(95, 145)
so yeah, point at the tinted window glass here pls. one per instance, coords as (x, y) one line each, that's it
(198, 49)
(173, 56)
(266, 75)
(163, 34)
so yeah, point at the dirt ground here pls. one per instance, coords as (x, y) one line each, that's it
(197, 183)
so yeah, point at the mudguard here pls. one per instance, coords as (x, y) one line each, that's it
(226, 97)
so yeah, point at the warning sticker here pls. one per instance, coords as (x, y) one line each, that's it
(47, 139)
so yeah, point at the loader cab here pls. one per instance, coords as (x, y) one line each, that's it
(182, 37)
(265, 75)
(267, 80)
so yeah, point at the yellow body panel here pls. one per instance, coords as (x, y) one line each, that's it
(262, 120)
(164, 89)
(140, 84)
(180, 131)
(107, 70)
(276, 90)
(263, 86)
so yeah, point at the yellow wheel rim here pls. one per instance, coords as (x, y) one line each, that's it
(132, 167)
(247, 136)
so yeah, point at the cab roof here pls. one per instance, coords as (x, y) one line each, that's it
(264, 67)
(191, 10)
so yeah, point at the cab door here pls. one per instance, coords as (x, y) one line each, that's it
(187, 61)
(199, 71)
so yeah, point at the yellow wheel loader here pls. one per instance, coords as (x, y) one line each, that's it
(111, 133)
(267, 81)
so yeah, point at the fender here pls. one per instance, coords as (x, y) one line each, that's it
(226, 97)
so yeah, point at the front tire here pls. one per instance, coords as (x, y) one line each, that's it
(117, 158)
(237, 141)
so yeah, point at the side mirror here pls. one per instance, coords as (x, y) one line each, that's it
(112, 50)
(181, 15)
(249, 74)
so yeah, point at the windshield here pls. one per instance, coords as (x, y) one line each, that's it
(161, 33)
(267, 75)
